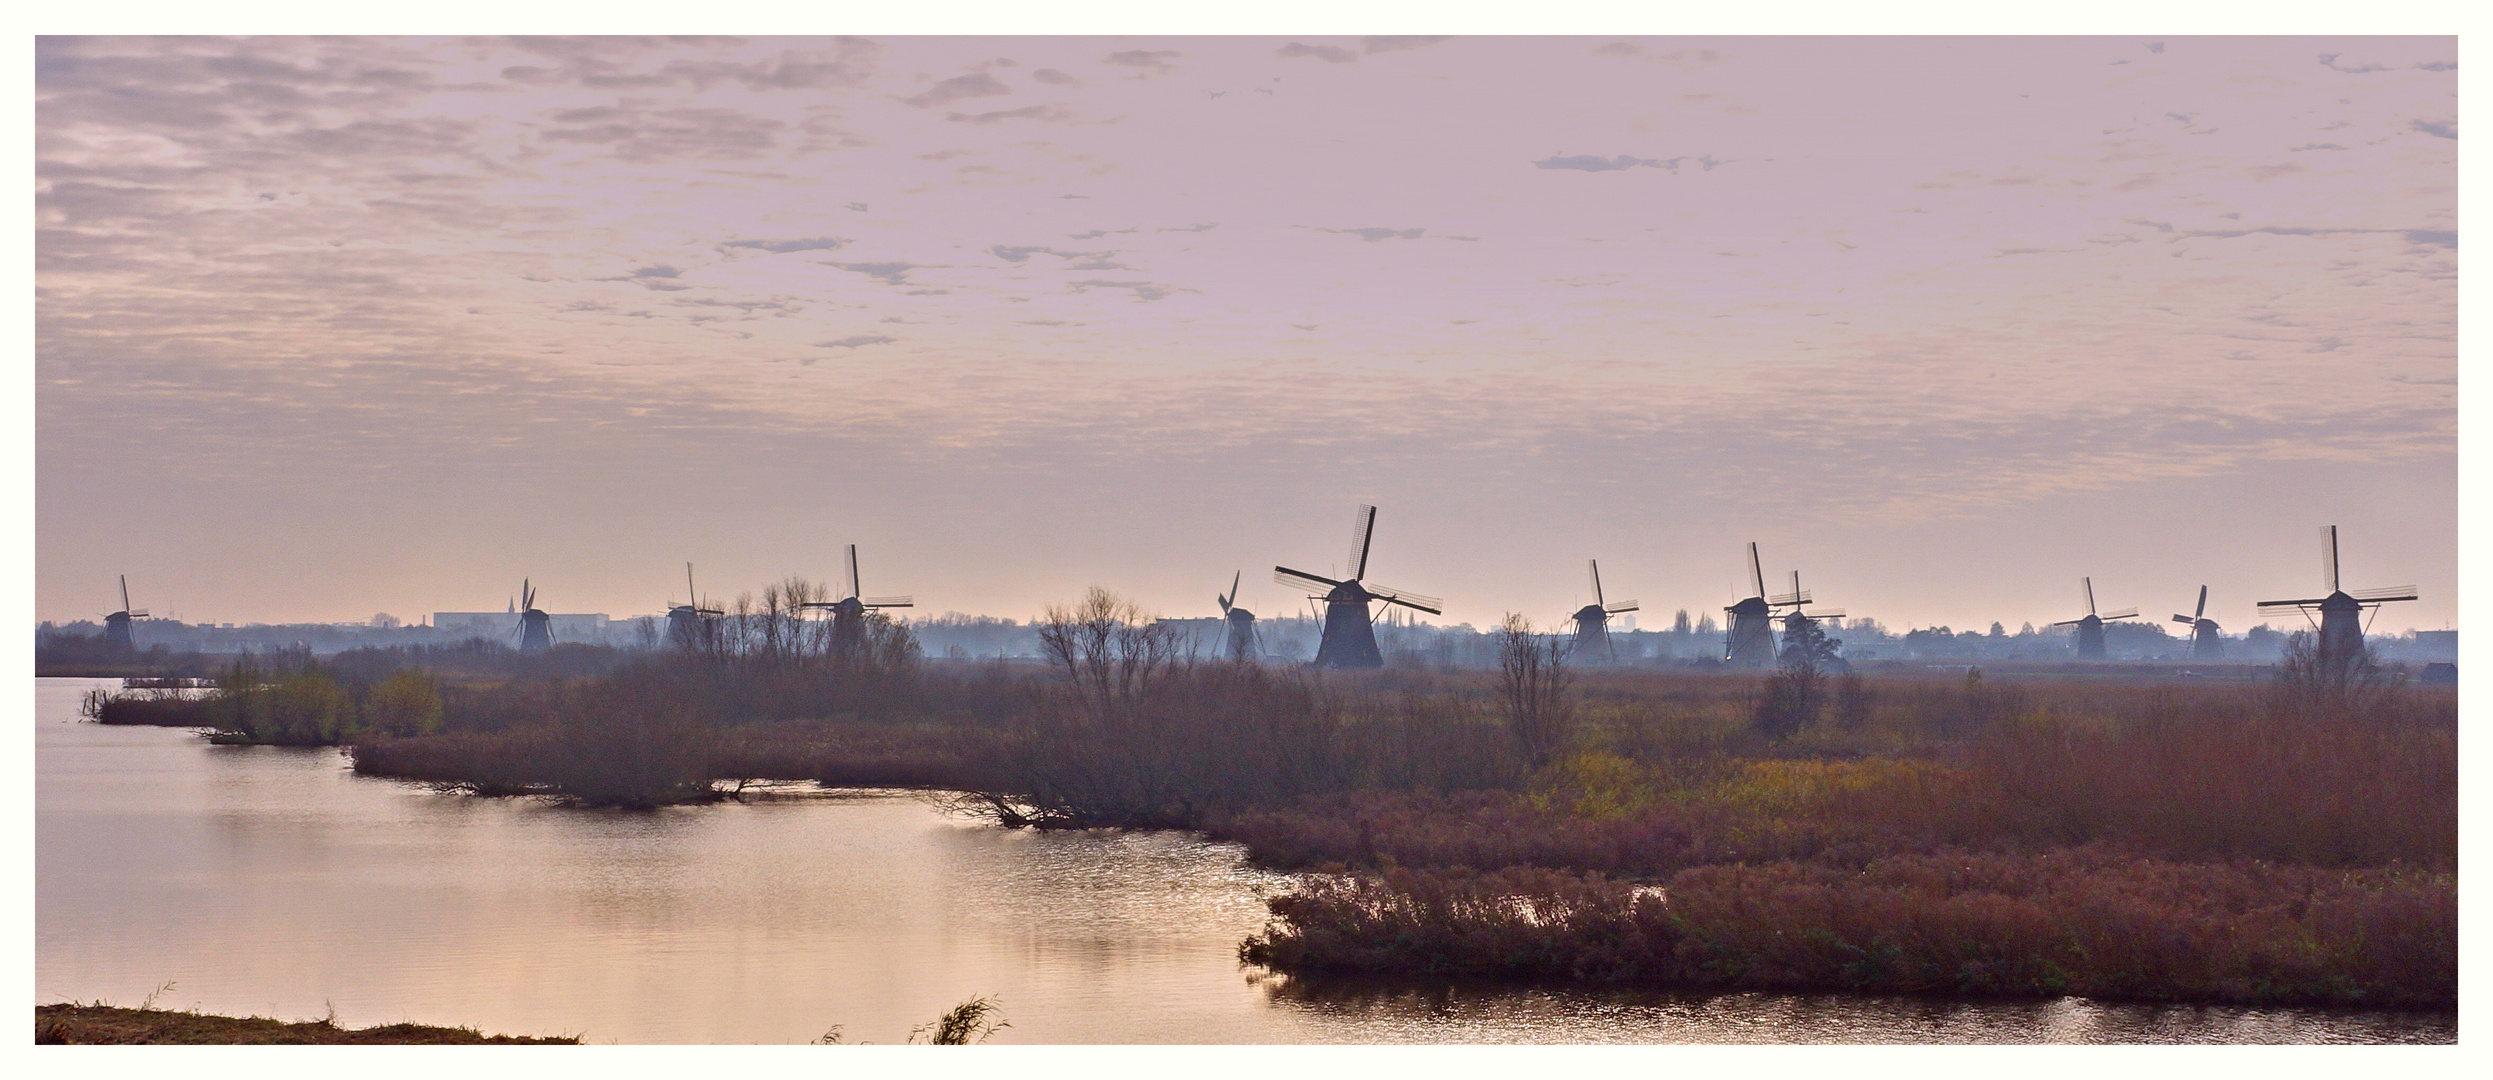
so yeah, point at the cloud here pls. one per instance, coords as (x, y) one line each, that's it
(644, 135)
(2447, 238)
(1053, 77)
(1328, 53)
(889, 273)
(1373, 235)
(2445, 129)
(856, 341)
(1150, 62)
(1596, 163)
(1400, 43)
(782, 247)
(1045, 114)
(1143, 290)
(1200, 226)
(1090, 260)
(960, 87)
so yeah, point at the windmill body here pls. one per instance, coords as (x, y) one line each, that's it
(2341, 612)
(2207, 641)
(1750, 640)
(848, 613)
(688, 623)
(2090, 628)
(1349, 631)
(1592, 623)
(1801, 625)
(117, 635)
(536, 628)
(1241, 645)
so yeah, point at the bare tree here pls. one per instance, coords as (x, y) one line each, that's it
(1535, 682)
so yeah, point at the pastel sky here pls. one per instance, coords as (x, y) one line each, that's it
(326, 327)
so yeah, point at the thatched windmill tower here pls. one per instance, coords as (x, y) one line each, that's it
(848, 623)
(1592, 623)
(1242, 645)
(1797, 625)
(2207, 642)
(2090, 628)
(2341, 613)
(117, 635)
(536, 628)
(1750, 633)
(688, 623)
(1349, 632)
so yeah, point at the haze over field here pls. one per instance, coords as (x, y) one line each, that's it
(330, 327)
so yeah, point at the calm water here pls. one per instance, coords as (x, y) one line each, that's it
(272, 882)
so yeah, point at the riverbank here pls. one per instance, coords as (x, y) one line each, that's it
(100, 1024)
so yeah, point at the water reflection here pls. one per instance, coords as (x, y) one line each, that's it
(274, 882)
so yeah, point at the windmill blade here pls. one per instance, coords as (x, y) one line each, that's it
(142, 612)
(1595, 565)
(852, 571)
(1227, 597)
(1757, 574)
(2394, 592)
(2202, 613)
(1301, 580)
(691, 598)
(1414, 601)
(2329, 555)
(2280, 607)
(884, 601)
(2089, 583)
(125, 592)
(2068, 622)
(2124, 613)
(1362, 530)
(1831, 613)
(1790, 599)
(1621, 608)
(2185, 620)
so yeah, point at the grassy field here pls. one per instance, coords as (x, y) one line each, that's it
(109, 1024)
(2277, 839)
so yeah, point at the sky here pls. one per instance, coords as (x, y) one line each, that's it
(331, 327)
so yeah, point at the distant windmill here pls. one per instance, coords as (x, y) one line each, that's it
(2090, 628)
(1801, 616)
(686, 621)
(2206, 641)
(1751, 635)
(536, 628)
(848, 624)
(1592, 622)
(117, 625)
(1349, 632)
(2341, 612)
(1242, 644)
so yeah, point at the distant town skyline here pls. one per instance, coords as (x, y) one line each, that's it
(330, 327)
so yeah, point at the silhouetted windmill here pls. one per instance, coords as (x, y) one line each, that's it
(2206, 641)
(1592, 622)
(848, 624)
(1797, 600)
(536, 628)
(688, 621)
(1750, 640)
(1242, 644)
(1349, 633)
(2090, 628)
(117, 635)
(2341, 612)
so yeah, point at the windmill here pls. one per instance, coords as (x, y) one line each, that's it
(2090, 628)
(687, 621)
(1803, 620)
(848, 624)
(2206, 641)
(117, 625)
(1750, 640)
(536, 628)
(1242, 645)
(1349, 633)
(2341, 612)
(1592, 621)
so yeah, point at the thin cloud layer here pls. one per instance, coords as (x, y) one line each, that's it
(294, 265)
